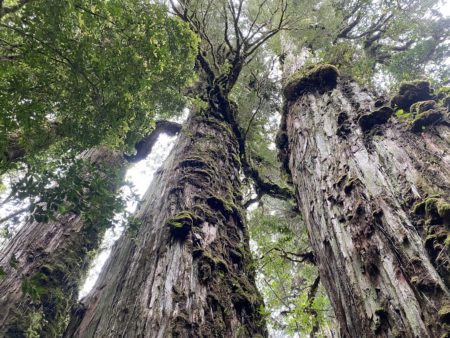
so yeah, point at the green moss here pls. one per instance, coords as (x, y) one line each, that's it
(50, 289)
(13, 261)
(203, 172)
(377, 117)
(219, 203)
(350, 184)
(422, 106)
(214, 122)
(35, 286)
(216, 263)
(423, 120)
(425, 284)
(181, 224)
(412, 92)
(35, 328)
(444, 314)
(3, 273)
(51, 303)
(194, 161)
(443, 209)
(320, 77)
(434, 208)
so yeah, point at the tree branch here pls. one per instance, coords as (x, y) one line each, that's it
(144, 146)
(311, 296)
(14, 214)
(262, 186)
(304, 257)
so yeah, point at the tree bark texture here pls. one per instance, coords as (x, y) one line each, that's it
(373, 192)
(42, 267)
(187, 272)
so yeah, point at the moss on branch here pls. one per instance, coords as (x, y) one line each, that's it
(320, 78)
(377, 117)
(412, 92)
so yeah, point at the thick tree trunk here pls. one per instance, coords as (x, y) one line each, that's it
(365, 184)
(187, 273)
(42, 266)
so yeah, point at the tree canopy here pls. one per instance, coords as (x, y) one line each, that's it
(82, 73)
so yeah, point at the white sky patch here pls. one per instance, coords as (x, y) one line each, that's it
(9, 227)
(445, 8)
(140, 175)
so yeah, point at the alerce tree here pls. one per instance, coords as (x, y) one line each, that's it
(188, 272)
(373, 190)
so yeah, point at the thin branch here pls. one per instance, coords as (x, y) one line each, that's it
(265, 187)
(258, 13)
(253, 46)
(304, 257)
(257, 110)
(311, 296)
(14, 214)
(225, 33)
(344, 32)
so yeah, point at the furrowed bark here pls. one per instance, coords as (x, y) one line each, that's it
(42, 267)
(374, 194)
(187, 272)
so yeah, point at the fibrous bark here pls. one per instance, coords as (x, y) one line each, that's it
(187, 272)
(369, 187)
(42, 266)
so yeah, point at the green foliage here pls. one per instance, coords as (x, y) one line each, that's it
(82, 73)
(257, 94)
(35, 286)
(2, 273)
(35, 328)
(283, 279)
(13, 261)
(77, 74)
(395, 40)
(70, 184)
(133, 225)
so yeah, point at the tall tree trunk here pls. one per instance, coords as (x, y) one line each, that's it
(188, 272)
(374, 193)
(42, 267)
